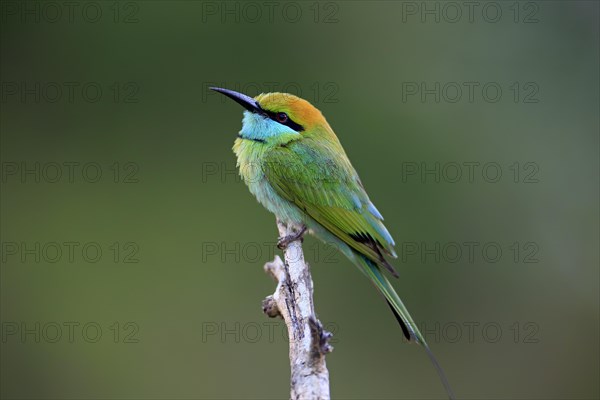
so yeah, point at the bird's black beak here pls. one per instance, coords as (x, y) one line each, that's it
(245, 101)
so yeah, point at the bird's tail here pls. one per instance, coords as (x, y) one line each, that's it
(409, 328)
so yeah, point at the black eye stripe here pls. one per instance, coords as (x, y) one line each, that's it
(289, 122)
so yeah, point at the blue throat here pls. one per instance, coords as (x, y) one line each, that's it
(259, 128)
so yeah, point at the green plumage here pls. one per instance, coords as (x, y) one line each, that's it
(317, 178)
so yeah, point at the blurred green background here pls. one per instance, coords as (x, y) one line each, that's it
(170, 308)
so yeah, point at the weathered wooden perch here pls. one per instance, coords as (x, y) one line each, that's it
(293, 301)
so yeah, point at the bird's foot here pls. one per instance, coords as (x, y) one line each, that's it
(284, 241)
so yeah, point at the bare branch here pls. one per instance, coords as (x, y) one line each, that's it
(293, 301)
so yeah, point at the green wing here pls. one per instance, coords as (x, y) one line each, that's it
(318, 178)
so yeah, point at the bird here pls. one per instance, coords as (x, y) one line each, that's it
(294, 164)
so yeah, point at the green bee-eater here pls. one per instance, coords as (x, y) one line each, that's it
(295, 166)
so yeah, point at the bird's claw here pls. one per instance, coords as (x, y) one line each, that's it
(284, 241)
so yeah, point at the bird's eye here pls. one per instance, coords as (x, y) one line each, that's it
(281, 117)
